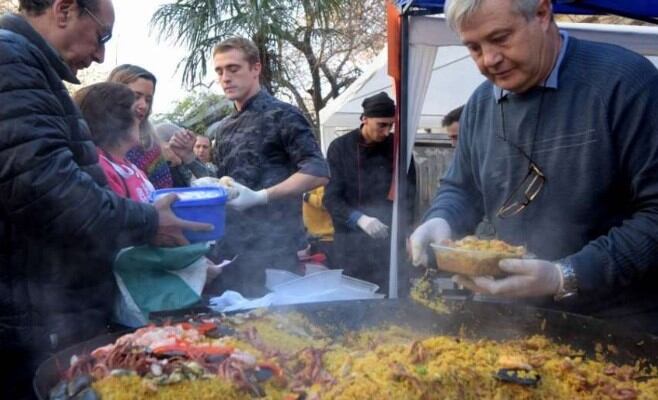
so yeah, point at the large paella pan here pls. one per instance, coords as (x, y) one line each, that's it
(360, 349)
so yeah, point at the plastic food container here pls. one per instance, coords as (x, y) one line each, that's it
(313, 284)
(275, 277)
(200, 204)
(470, 262)
(311, 268)
(317, 287)
(358, 284)
(340, 294)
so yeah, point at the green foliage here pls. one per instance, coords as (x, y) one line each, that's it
(197, 111)
(199, 25)
(310, 49)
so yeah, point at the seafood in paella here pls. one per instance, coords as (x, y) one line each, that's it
(284, 356)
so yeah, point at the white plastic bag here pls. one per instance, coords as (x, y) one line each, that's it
(234, 301)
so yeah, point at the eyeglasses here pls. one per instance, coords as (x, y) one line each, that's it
(531, 184)
(102, 39)
(524, 193)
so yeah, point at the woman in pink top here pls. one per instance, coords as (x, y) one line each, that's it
(108, 109)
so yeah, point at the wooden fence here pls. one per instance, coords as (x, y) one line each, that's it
(432, 159)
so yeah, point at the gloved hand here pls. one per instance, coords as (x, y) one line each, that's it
(246, 198)
(530, 278)
(372, 227)
(434, 230)
(210, 181)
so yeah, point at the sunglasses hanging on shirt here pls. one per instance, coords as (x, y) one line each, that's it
(534, 180)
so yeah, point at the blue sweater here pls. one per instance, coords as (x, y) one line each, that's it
(595, 138)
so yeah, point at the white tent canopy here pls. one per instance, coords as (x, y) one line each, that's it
(437, 87)
(453, 77)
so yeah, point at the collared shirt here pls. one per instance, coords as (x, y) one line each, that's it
(552, 80)
(259, 146)
(265, 142)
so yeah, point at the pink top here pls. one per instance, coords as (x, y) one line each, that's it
(124, 178)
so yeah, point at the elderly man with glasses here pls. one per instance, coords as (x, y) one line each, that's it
(60, 227)
(559, 149)
(357, 196)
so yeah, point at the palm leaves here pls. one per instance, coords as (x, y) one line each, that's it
(292, 35)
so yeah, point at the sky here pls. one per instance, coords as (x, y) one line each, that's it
(132, 43)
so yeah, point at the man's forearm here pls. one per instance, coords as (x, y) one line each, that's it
(295, 185)
(197, 168)
(622, 257)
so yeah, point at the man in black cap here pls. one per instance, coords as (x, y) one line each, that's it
(357, 196)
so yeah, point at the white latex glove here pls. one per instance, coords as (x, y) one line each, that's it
(372, 227)
(529, 278)
(434, 230)
(246, 198)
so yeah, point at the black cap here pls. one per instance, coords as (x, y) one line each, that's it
(378, 106)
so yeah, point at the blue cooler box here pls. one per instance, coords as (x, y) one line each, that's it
(200, 204)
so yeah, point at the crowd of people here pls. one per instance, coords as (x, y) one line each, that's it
(562, 161)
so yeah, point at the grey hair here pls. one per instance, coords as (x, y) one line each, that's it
(166, 130)
(458, 11)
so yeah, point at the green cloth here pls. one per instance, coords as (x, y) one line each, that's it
(150, 276)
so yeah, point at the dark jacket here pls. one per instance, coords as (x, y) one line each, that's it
(260, 146)
(360, 183)
(59, 225)
(183, 174)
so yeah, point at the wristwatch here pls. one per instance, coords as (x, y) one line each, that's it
(568, 282)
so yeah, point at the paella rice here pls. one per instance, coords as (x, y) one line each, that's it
(422, 292)
(274, 357)
(475, 257)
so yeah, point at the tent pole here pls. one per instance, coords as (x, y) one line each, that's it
(398, 268)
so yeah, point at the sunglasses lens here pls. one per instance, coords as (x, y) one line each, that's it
(534, 187)
(511, 210)
(524, 194)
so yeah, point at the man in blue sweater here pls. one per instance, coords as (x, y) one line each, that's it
(559, 149)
